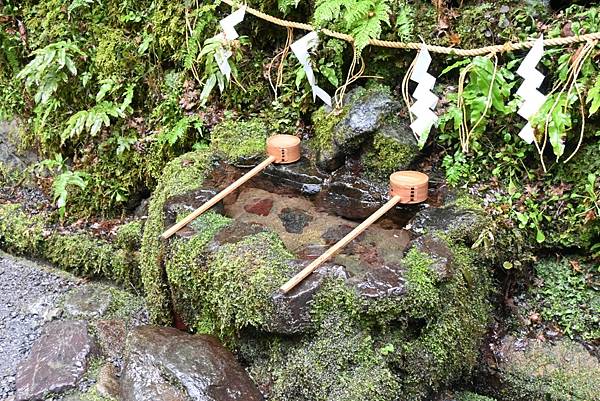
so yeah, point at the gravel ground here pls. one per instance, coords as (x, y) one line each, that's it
(29, 293)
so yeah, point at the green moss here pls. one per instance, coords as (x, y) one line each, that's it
(129, 236)
(564, 371)
(185, 266)
(469, 396)
(78, 253)
(87, 256)
(323, 124)
(20, 233)
(389, 154)
(238, 283)
(568, 297)
(240, 140)
(114, 56)
(339, 362)
(466, 201)
(456, 316)
(423, 294)
(181, 175)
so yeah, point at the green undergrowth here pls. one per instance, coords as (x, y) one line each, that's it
(181, 175)
(79, 253)
(565, 293)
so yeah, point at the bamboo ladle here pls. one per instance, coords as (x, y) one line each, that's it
(282, 149)
(405, 187)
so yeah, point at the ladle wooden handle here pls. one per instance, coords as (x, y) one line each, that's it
(232, 187)
(294, 281)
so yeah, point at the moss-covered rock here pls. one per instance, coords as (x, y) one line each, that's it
(394, 149)
(240, 141)
(181, 175)
(535, 370)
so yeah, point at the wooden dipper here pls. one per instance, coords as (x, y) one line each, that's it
(405, 187)
(282, 149)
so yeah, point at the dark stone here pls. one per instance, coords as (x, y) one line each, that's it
(352, 197)
(383, 281)
(366, 112)
(294, 220)
(57, 361)
(111, 336)
(460, 224)
(88, 302)
(292, 310)
(188, 202)
(311, 251)
(334, 234)
(261, 207)
(437, 249)
(301, 176)
(234, 232)
(365, 115)
(167, 364)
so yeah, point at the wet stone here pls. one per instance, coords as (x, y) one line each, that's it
(301, 176)
(260, 207)
(463, 224)
(336, 233)
(292, 310)
(294, 220)
(437, 250)
(352, 197)
(87, 302)
(188, 202)
(57, 361)
(167, 364)
(367, 111)
(383, 281)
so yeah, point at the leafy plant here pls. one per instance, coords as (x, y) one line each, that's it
(217, 47)
(362, 19)
(61, 184)
(50, 68)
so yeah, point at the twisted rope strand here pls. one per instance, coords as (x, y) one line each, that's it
(509, 46)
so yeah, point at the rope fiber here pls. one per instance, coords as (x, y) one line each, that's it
(509, 46)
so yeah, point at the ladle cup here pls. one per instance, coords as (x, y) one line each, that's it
(282, 149)
(406, 187)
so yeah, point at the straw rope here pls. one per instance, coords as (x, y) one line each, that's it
(509, 46)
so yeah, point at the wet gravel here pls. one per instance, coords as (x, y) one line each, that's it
(29, 295)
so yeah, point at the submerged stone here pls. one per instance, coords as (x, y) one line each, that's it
(57, 361)
(294, 220)
(167, 364)
(261, 207)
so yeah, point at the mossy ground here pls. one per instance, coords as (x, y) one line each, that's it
(79, 253)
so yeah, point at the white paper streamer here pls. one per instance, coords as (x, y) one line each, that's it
(301, 48)
(426, 99)
(229, 33)
(533, 99)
